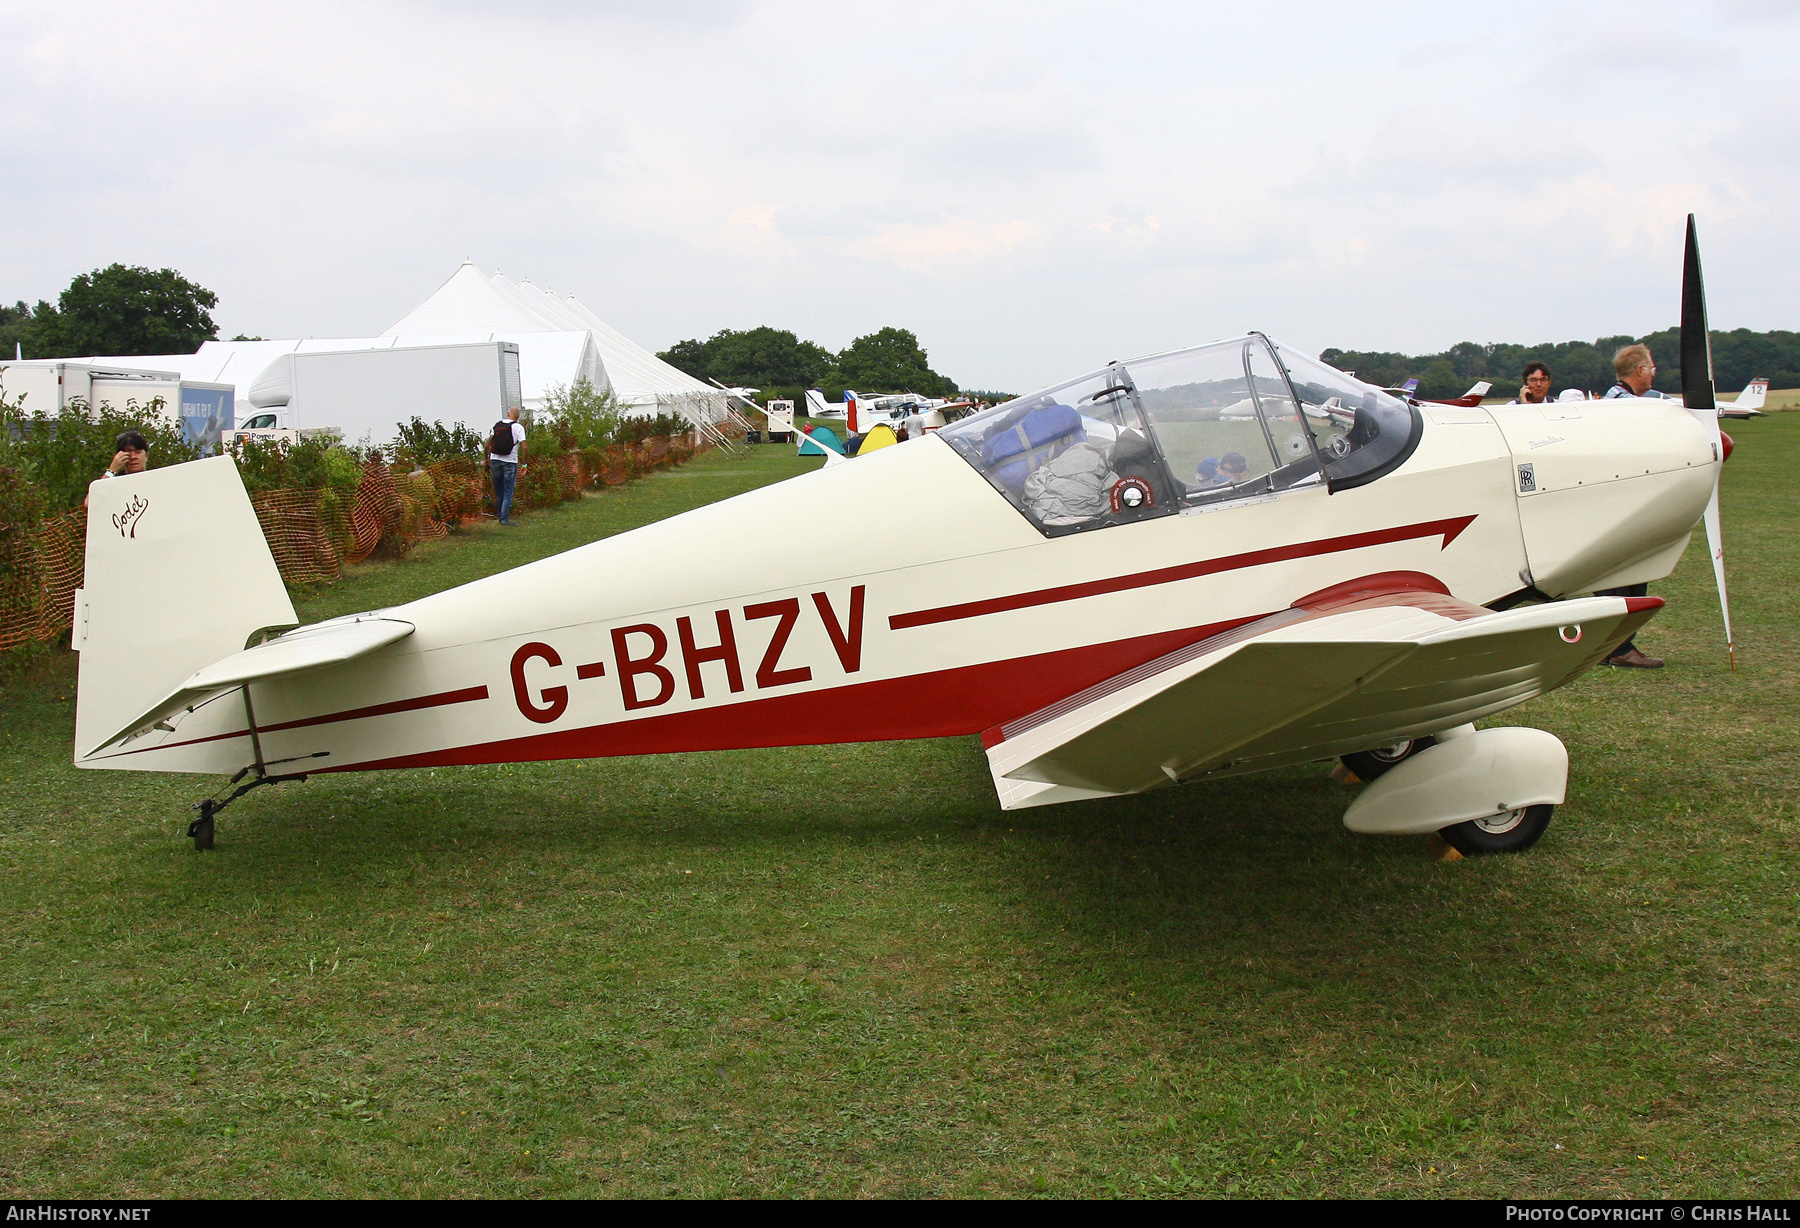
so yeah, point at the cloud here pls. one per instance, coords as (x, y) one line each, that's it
(913, 246)
(1032, 188)
(759, 215)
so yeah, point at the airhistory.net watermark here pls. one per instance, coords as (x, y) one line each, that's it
(61, 1213)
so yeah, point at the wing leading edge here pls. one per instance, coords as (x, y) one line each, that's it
(1300, 685)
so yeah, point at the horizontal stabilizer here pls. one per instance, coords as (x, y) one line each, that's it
(309, 648)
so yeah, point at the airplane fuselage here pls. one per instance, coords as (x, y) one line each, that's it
(690, 635)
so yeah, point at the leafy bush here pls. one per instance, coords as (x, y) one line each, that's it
(62, 453)
(636, 430)
(583, 416)
(314, 463)
(422, 443)
(21, 503)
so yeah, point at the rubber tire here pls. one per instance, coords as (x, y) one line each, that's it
(1471, 840)
(202, 830)
(1369, 764)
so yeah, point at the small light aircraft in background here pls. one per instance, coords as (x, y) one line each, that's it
(1409, 391)
(1749, 403)
(915, 414)
(1352, 578)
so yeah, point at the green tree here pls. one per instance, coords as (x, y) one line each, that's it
(690, 356)
(891, 360)
(755, 357)
(1440, 380)
(1738, 357)
(15, 328)
(123, 310)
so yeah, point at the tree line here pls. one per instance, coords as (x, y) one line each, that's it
(1739, 356)
(130, 310)
(780, 364)
(119, 310)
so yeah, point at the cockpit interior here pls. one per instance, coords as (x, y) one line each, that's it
(1182, 431)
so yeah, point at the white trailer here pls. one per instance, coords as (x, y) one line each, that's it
(781, 421)
(364, 395)
(202, 410)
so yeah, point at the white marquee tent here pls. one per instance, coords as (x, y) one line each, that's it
(474, 306)
(544, 359)
(559, 340)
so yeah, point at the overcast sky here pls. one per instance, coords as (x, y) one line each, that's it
(1035, 189)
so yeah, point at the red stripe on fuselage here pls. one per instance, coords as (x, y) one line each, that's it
(940, 704)
(466, 695)
(1450, 529)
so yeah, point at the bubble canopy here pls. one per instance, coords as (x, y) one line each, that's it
(1155, 436)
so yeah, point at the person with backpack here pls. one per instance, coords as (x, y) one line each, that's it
(506, 459)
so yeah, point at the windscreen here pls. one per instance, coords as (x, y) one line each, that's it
(1362, 431)
(1200, 426)
(1225, 420)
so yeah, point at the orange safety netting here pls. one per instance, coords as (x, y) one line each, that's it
(40, 569)
(312, 533)
(304, 550)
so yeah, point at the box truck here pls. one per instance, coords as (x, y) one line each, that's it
(200, 409)
(364, 395)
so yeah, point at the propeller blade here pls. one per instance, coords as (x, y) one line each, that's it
(1697, 395)
(1696, 339)
(1715, 542)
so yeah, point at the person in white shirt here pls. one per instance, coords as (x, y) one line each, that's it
(505, 465)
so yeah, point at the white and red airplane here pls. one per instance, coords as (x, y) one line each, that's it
(1126, 588)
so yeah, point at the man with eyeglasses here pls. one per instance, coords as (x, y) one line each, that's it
(1537, 385)
(1636, 370)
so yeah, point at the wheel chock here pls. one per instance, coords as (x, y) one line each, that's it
(1441, 849)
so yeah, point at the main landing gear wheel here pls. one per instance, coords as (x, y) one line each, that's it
(1368, 764)
(1511, 831)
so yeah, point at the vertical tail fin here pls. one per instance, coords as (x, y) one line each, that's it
(1753, 394)
(178, 576)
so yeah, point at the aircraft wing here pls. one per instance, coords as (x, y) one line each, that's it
(1300, 685)
(314, 647)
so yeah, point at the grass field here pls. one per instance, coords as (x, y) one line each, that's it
(845, 972)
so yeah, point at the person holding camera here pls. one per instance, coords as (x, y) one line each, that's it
(131, 454)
